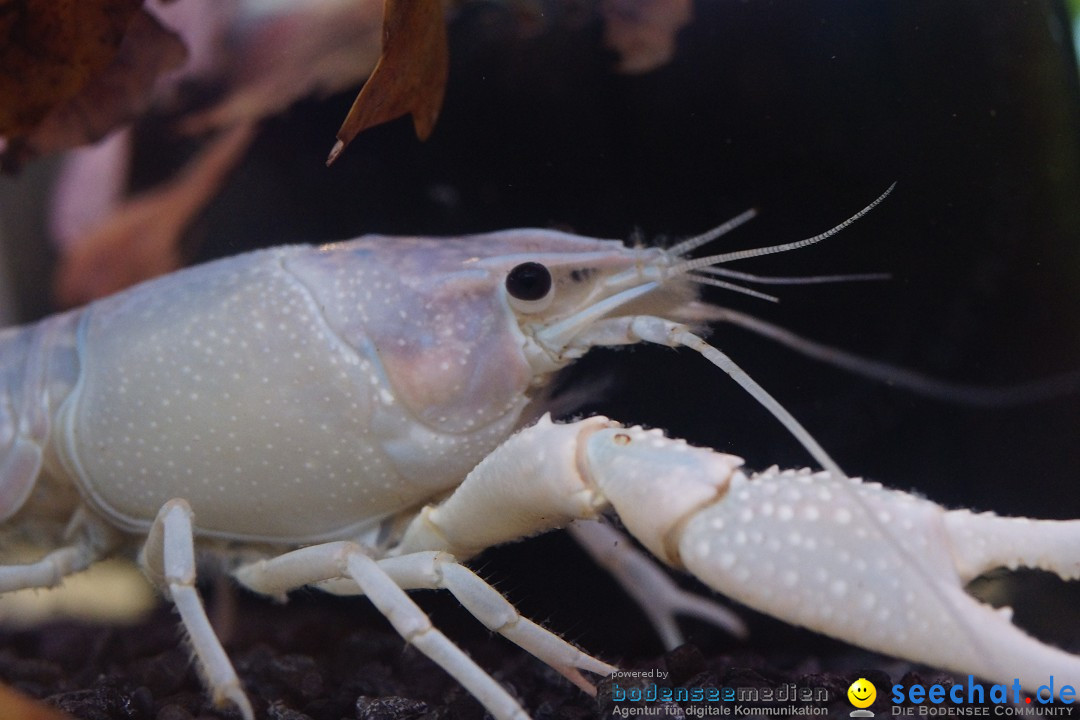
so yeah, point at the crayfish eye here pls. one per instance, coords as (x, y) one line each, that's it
(529, 286)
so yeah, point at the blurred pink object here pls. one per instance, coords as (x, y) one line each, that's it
(644, 32)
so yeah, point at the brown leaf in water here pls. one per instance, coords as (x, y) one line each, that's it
(116, 94)
(410, 77)
(49, 50)
(142, 238)
(16, 706)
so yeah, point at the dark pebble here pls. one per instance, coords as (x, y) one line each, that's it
(389, 708)
(173, 712)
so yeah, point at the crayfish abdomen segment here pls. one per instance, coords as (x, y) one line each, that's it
(40, 369)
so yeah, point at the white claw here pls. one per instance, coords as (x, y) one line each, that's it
(872, 566)
(629, 466)
(881, 569)
(984, 541)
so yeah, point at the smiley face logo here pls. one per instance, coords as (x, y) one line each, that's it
(862, 693)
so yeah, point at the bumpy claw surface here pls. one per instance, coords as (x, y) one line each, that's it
(875, 567)
(881, 569)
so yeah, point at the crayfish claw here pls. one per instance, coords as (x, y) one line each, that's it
(879, 568)
(984, 541)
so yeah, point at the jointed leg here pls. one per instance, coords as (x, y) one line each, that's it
(93, 543)
(652, 588)
(168, 557)
(436, 570)
(330, 561)
(49, 570)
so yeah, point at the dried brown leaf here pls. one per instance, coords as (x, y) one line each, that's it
(50, 49)
(16, 706)
(410, 77)
(142, 238)
(118, 93)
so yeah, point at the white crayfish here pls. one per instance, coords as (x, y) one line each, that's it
(343, 417)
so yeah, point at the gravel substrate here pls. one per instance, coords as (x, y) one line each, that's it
(325, 658)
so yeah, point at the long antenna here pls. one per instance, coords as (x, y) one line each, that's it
(783, 247)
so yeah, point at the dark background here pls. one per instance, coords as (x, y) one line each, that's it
(806, 111)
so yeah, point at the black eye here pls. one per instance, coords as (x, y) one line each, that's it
(529, 281)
